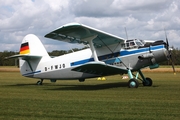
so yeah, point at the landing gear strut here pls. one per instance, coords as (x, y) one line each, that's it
(40, 82)
(133, 82)
(146, 81)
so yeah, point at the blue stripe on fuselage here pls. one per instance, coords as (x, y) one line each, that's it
(32, 73)
(125, 53)
(121, 53)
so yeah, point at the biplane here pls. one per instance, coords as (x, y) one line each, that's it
(106, 55)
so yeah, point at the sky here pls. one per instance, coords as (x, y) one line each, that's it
(143, 19)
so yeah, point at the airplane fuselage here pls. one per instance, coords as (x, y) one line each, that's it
(60, 68)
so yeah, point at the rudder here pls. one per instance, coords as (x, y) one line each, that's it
(31, 45)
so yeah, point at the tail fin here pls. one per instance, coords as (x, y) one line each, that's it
(31, 45)
(31, 53)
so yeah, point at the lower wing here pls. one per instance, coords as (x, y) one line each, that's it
(99, 68)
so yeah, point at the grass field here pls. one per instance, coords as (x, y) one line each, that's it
(111, 99)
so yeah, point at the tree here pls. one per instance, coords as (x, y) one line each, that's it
(9, 62)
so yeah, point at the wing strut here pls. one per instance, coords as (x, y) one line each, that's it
(93, 50)
(90, 40)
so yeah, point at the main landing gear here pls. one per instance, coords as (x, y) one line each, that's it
(133, 82)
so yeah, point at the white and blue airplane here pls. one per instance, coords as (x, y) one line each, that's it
(107, 55)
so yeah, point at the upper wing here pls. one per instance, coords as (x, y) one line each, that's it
(79, 33)
(99, 68)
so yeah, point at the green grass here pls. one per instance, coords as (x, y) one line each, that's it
(20, 98)
(8, 67)
(169, 66)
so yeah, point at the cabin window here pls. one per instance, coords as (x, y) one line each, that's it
(63, 65)
(123, 45)
(60, 66)
(127, 45)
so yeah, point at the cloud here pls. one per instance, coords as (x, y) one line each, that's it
(92, 8)
(142, 19)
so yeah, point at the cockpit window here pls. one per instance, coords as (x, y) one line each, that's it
(138, 42)
(134, 43)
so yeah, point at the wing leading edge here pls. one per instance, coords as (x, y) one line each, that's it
(79, 33)
(99, 68)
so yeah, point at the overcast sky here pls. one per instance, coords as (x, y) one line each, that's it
(144, 19)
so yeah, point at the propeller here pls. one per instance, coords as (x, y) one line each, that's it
(167, 43)
(172, 61)
(169, 52)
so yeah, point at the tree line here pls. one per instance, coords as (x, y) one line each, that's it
(15, 62)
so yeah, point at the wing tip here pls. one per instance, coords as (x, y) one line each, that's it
(49, 35)
(71, 24)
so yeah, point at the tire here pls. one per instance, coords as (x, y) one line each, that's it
(147, 82)
(133, 83)
(81, 80)
(39, 83)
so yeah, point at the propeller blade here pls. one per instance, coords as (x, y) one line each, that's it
(170, 53)
(172, 61)
(167, 42)
(173, 66)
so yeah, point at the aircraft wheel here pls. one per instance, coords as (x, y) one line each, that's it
(133, 83)
(39, 83)
(81, 80)
(148, 82)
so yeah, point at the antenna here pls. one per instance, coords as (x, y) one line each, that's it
(126, 33)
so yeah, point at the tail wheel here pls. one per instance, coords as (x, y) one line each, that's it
(81, 80)
(133, 83)
(39, 83)
(147, 82)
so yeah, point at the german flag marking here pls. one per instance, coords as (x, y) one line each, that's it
(24, 48)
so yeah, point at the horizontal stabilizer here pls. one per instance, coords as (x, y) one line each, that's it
(99, 68)
(24, 57)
